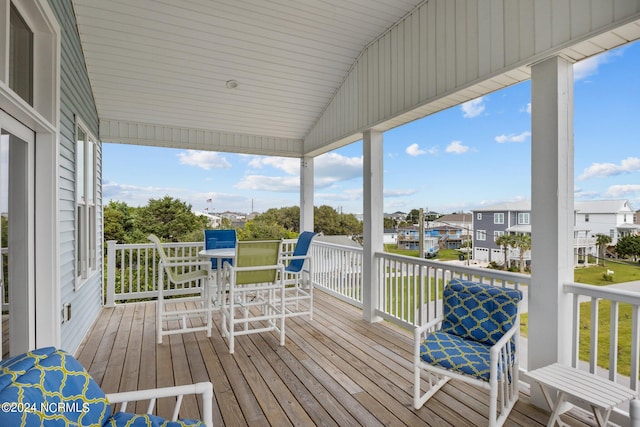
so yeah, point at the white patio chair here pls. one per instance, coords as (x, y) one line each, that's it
(179, 273)
(475, 340)
(255, 291)
(298, 277)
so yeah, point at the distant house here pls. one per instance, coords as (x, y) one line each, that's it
(397, 216)
(409, 239)
(614, 218)
(456, 227)
(610, 217)
(213, 220)
(390, 236)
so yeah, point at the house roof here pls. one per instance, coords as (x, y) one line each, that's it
(603, 206)
(459, 217)
(590, 206)
(311, 76)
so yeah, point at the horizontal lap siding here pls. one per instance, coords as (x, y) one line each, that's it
(76, 99)
(446, 46)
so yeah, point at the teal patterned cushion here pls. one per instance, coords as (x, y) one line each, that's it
(49, 387)
(457, 354)
(124, 419)
(480, 312)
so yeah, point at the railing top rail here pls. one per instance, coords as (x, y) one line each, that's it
(604, 292)
(476, 271)
(336, 246)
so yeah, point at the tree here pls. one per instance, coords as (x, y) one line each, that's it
(505, 241)
(170, 219)
(288, 217)
(629, 246)
(118, 222)
(388, 223)
(331, 223)
(602, 240)
(262, 229)
(413, 217)
(523, 243)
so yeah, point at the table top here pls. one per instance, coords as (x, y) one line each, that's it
(218, 253)
(593, 389)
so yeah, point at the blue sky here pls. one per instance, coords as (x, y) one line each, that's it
(463, 158)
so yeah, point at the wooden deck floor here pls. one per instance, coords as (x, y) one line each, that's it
(336, 370)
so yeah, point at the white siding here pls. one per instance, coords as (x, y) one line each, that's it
(76, 100)
(435, 57)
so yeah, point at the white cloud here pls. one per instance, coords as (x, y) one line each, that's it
(589, 67)
(526, 108)
(457, 147)
(415, 150)
(501, 139)
(204, 159)
(473, 108)
(628, 165)
(399, 193)
(623, 190)
(329, 169)
(289, 165)
(284, 184)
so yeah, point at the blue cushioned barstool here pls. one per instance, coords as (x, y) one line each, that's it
(475, 340)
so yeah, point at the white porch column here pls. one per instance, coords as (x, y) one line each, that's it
(372, 175)
(306, 194)
(551, 212)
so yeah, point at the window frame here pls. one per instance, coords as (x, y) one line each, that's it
(522, 216)
(86, 230)
(498, 217)
(479, 216)
(481, 235)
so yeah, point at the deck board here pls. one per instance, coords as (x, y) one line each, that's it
(336, 370)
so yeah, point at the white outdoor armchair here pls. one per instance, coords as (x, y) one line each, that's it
(476, 341)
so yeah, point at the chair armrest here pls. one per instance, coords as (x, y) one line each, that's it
(203, 388)
(504, 341)
(425, 330)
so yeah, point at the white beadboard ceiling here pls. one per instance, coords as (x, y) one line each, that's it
(166, 62)
(159, 68)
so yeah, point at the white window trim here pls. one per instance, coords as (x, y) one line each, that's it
(498, 218)
(481, 235)
(44, 118)
(479, 216)
(522, 215)
(87, 234)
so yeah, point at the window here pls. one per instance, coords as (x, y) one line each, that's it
(86, 231)
(586, 217)
(481, 235)
(497, 234)
(479, 216)
(20, 57)
(498, 218)
(523, 218)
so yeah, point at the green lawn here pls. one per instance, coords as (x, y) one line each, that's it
(593, 275)
(443, 254)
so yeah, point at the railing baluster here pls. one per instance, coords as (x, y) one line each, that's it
(613, 340)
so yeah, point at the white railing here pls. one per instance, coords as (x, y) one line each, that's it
(337, 270)
(410, 289)
(136, 266)
(619, 308)
(132, 269)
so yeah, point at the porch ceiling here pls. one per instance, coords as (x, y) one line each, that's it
(166, 62)
(312, 75)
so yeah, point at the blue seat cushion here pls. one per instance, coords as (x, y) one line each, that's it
(456, 354)
(125, 419)
(50, 387)
(479, 312)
